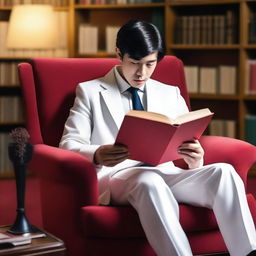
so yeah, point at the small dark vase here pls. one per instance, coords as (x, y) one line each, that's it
(20, 161)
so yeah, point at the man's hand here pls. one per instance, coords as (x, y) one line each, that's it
(192, 153)
(110, 155)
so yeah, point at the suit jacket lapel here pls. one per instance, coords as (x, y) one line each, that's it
(112, 98)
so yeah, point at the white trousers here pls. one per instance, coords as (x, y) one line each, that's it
(155, 195)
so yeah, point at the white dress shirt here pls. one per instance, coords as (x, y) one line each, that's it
(126, 95)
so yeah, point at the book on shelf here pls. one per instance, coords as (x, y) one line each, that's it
(226, 128)
(218, 29)
(11, 109)
(250, 129)
(88, 39)
(8, 73)
(190, 30)
(196, 30)
(111, 32)
(191, 75)
(154, 138)
(252, 28)
(227, 79)
(208, 80)
(184, 30)
(250, 77)
(7, 238)
(5, 163)
(231, 31)
(157, 18)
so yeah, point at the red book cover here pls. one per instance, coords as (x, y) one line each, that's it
(154, 138)
(252, 85)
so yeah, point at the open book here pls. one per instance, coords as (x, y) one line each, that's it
(154, 138)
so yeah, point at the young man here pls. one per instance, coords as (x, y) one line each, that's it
(154, 192)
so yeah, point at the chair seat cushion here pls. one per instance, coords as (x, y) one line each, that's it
(123, 221)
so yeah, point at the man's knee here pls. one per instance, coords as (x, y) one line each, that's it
(148, 180)
(224, 172)
(146, 184)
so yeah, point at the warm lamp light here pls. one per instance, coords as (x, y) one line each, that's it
(32, 27)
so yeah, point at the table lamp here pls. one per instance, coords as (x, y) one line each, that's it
(32, 27)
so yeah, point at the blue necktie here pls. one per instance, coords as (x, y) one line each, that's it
(136, 102)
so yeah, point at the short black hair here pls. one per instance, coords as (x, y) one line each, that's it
(139, 39)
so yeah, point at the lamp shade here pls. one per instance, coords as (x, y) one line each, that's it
(32, 27)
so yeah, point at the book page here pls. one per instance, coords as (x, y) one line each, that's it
(150, 116)
(192, 115)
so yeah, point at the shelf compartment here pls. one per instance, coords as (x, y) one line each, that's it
(202, 2)
(204, 46)
(118, 6)
(103, 17)
(221, 97)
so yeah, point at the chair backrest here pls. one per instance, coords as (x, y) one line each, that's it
(48, 87)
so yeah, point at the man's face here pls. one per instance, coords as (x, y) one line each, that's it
(137, 72)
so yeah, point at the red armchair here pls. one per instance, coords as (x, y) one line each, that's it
(68, 180)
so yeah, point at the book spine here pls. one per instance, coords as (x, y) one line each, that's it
(5, 164)
(252, 78)
(252, 29)
(192, 78)
(250, 129)
(208, 80)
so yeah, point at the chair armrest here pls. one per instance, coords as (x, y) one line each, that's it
(240, 154)
(68, 181)
(58, 165)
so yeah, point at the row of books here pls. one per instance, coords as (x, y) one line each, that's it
(88, 39)
(250, 77)
(11, 110)
(226, 128)
(4, 3)
(87, 2)
(206, 29)
(252, 28)
(60, 51)
(211, 80)
(88, 35)
(8, 73)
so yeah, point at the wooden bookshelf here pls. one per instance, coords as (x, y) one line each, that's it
(11, 90)
(234, 106)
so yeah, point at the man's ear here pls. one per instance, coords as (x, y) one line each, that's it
(118, 54)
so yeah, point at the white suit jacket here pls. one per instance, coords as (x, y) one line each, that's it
(97, 115)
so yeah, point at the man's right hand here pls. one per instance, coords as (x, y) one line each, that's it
(110, 155)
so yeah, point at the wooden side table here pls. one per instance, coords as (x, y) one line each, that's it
(49, 245)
